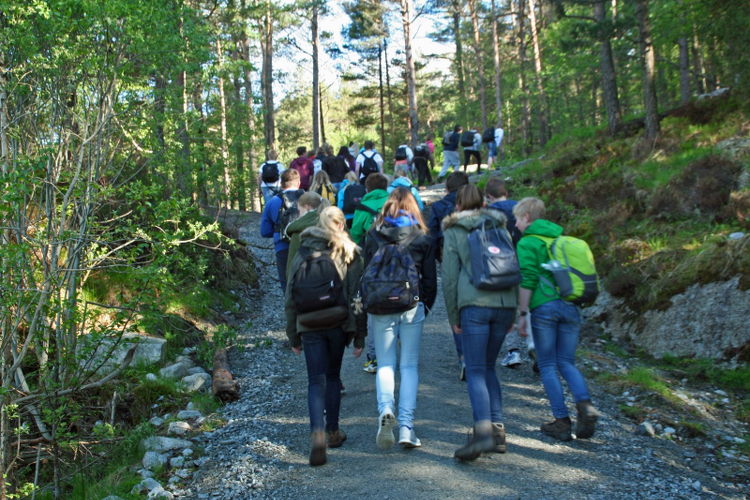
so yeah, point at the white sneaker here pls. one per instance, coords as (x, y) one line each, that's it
(512, 359)
(408, 438)
(462, 371)
(386, 422)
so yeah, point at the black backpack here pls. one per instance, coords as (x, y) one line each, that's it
(467, 138)
(488, 135)
(447, 138)
(390, 281)
(421, 151)
(353, 194)
(318, 292)
(401, 153)
(269, 172)
(369, 166)
(494, 265)
(288, 212)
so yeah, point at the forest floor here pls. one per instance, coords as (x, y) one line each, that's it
(262, 449)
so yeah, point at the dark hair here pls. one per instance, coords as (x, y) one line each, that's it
(469, 197)
(402, 199)
(301, 150)
(369, 144)
(457, 128)
(495, 187)
(376, 181)
(455, 181)
(344, 151)
(288, 177)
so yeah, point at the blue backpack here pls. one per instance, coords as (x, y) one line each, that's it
(494, 265)
(390, 282)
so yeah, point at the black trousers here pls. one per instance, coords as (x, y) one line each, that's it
(423, 171)
(468, 153)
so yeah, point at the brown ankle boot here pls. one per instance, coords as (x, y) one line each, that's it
(317, 448)
(480, 441)
(336, 438)
(559, 429)
(587, 417)
(498, 434)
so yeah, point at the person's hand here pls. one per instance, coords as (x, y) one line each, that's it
(297, 350)
(357, 352)
(522, 328)
(457, 329)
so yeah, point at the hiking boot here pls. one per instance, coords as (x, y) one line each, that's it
(558, 429)
(336, 438)
(512, 359)
(371, 366)
(498, 434)
(386, 422)
(408, 438)
(587, 417)
(317, 448)
(481, 440)
(532, 356)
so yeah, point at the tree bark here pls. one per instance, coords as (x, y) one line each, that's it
(498, 69)
(411, 84)
(388, 93)
(543, 101)
(226, 179)
(203, 159)
(382, 97)
(648, 60)
(699, 71)
(249, 109)
(266, 45)
(315, 77)
(525, 112)
(607, 69)
(684, 70)
(457, 12)
(473, 12)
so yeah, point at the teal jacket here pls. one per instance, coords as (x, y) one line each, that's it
(532, 253)
(406, 183)
(458, 291)
(362, 218)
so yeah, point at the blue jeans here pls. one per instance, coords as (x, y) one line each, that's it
(390, 330)
(281, 257)
(324, 350)
(555, 326)
(484, 330)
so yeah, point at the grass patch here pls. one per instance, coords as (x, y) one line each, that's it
(616, 349)
(693, 429)
(706, 370)
(635, 412)
(647, 378)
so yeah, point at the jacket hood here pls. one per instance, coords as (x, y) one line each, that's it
(393, 234)
(375, 196)
(469, 219)
(299, 225)
(543, 227)
(316, 238)
(401, 182)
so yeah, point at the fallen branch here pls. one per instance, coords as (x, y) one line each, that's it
(224, 386)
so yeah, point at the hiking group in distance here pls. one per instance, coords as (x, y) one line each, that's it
(358, 264)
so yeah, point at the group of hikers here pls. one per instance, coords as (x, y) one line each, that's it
(363, 270)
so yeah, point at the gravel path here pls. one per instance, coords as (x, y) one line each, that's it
(262, 450)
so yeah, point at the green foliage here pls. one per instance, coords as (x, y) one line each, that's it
(706, 370)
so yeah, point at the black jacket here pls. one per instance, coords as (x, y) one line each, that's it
(336, 167)
(422, 250)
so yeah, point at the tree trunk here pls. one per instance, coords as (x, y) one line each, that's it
(684, 71)
(389, 94)
(457, 12)
(544, 103)
(249, 109)
(239, 153)
(648, 59)
(160, 89)
(266, 45)
(226, 179)
(203, 160)
(479, 62)
(525, 112)
(607, 69)
(382, 97)
(183, 174)
(699, 71)
(322, 121)
(411, 78)
(498, 69)
(315, 78)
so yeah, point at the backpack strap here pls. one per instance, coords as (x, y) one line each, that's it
(361, 206)
(548, 242)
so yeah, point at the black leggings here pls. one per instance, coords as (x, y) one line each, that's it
(468, 153)
(423, 171)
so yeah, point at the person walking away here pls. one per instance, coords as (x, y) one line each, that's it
(441, 209)
(496, 196)
(399, 232)
(471, 140)
(319, 159)
(401, 179)
(336, 168)
(423, 163)
(303, 165)
(430, 141)
(368, 162)
(450, 151)
(322, 185)
(403, 156)
(370, 206)
(309, 206)
(349, 196)
(270, 176)
(493, 145)
(277, 214)
(350, 160)
(480, 317)
(555, 324)
(321, 321)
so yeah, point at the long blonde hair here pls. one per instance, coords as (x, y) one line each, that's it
(331, 220)
(321, 179)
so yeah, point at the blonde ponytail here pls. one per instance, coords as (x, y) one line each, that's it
(332, 222)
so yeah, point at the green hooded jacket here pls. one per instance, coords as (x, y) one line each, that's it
(458, 291)
(362, 218)
(532, 253)
(294, 229)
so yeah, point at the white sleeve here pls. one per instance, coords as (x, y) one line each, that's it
(317, 165)
(477, 140)
(499, 136)
(379, 161)
(409, 154)
(360, 160)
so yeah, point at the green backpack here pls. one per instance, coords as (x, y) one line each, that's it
(572, 266)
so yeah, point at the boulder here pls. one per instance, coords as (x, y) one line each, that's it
(189, 414)
(162, 443)
(152, 460)
(160, 492)
(179, 428)
(149, 484)
(196, 382)
(176, 370)
(95, 350)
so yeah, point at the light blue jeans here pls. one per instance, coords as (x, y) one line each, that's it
(555, 326)
(388, 331)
